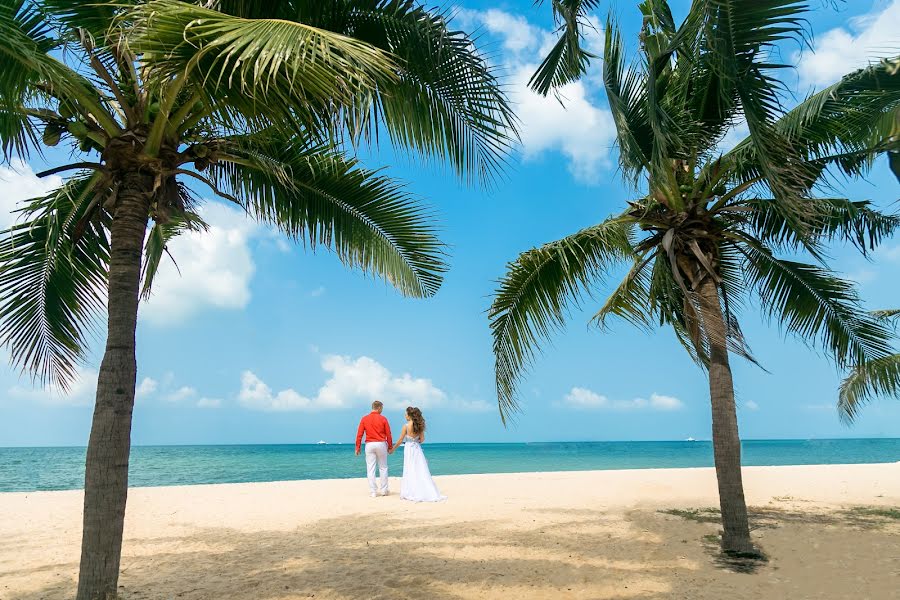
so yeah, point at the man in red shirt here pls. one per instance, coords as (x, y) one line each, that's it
(378, 443)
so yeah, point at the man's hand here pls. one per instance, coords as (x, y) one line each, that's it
(357, 451)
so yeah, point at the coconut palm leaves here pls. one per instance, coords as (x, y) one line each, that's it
(725, 218)
(807, 300)
(879, 377)
(533, 295)
(568, 59)
(251, 99)
(53, 281)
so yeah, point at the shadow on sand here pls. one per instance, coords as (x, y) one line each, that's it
(564, 553)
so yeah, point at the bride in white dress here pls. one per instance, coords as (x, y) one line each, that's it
(417, 484)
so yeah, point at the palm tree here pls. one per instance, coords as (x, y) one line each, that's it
(878, 377)
(709, 227)
(254, 100)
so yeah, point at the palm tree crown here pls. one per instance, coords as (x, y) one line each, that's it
(247, 98)
(707, 214)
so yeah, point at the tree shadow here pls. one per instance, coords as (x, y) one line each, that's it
(767, 517)
(559, 553)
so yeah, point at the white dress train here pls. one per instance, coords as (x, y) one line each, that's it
(417, 484)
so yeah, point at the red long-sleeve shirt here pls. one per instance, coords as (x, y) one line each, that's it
(376, 428)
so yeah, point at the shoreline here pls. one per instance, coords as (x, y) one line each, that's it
(539, 474)
(350, 443)
(613, 534)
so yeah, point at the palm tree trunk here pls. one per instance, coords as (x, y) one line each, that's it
(106, 469)
(726, 441)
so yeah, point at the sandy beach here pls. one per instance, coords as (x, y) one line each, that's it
(828, 532)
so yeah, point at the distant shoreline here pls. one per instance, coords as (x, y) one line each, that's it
(350, 443)
(395, 480)
(45, 469)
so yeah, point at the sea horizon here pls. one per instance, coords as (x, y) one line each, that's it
(45, 468)
(480, 443)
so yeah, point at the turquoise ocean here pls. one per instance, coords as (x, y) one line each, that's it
(31, 469)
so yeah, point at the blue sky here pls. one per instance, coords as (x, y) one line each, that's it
(259, 341)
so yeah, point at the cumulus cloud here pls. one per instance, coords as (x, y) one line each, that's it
(185, 392)
(216, 268)
(18, 182)
(183, 395)
(352, 383)
(838, 51)
(585, 399)
(578, 128)
(81, 392)
(147, 387)
(473, 405)
(209, 403)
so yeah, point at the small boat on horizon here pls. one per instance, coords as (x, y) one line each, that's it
(690, 439)
(321, 442)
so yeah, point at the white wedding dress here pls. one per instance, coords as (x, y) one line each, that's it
(417, 484)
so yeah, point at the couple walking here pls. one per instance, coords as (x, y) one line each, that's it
(417, 484)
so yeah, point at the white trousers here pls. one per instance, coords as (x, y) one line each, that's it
(376, 454)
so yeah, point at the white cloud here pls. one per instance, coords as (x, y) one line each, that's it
(660, 402)
(81, 392)
(317, 292)
(841, 50)
(215, 266)
(171, 394)
(751, 405)
(18, 182)
(209, 403)
(182, 393)
(473, 405)
(255, 394)
(578, 128)
(519, 36)
(353, 382)
(585, 399)
(146, 387)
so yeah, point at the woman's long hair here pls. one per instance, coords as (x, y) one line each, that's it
(418, 421)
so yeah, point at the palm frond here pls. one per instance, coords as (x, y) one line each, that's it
(879, 377)
(283, 70)
(845, 125)
(626, 93)
(95, 17)
(631, 300)
(317, 195)
(568, 59)
(448, 102)
(823, 220)
(741, 39)
(156, 244)
(887, 314)
(538, 286)
(53, 269)
(24, 41)
(816, 305)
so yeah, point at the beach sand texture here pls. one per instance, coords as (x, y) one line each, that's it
(590, 535)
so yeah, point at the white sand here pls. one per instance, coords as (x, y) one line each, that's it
(536, 535)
